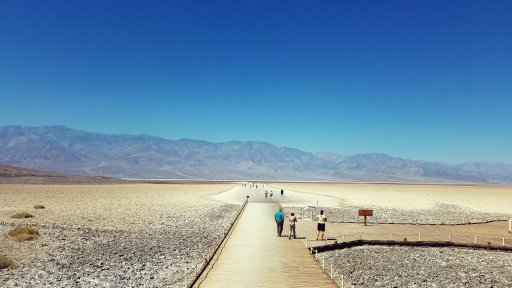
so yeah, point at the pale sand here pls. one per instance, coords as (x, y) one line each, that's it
(483, 198)
(124, 206)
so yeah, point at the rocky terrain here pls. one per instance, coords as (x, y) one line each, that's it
(140, 236)
(394, 266)
(440, 214)
(93, 257)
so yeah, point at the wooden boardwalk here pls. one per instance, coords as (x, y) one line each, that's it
(253, 256)
(494, 232)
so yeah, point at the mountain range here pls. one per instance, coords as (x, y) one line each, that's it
(64, 150)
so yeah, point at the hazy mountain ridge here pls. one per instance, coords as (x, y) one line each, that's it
(61, 149)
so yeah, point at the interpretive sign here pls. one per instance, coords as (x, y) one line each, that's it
(365, 213)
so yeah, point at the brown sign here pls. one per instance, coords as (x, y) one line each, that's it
(365, 212)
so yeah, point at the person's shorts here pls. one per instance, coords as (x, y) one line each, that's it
(321, 227)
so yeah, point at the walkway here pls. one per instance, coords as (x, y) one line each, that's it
(495, 232)
(255, 257)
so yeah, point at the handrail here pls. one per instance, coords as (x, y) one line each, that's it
(227, 232)
(342, 281)
(196, 272)
(475, 240)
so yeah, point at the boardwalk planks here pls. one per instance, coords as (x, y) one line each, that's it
(255, 257)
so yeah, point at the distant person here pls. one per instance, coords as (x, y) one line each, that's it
(292, 220)
(266, 194)
(282, 192)
(321, 225)
(279, 217)
(271, 194)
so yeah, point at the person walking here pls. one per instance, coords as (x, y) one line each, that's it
(321, 225)
(292, 220)
(279, 217)
(282, 192)
(271, 194)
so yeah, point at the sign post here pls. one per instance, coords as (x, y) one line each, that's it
(365, 213)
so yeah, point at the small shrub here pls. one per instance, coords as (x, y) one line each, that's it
(24, 233)
(6, 263)
(39, 207)
(22, 215)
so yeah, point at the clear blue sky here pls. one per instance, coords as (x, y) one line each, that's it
(428, 80)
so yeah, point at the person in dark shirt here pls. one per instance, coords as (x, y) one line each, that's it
(279, 217)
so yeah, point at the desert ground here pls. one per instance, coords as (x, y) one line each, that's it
(150, 235)
(412, 203)
(394, 266)
(130, 235)
(485, 198)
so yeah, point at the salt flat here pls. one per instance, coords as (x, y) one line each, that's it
(132, 235)
(391, 266)
(129, 235)
(256, 194)
(483, 198)
(123, 206)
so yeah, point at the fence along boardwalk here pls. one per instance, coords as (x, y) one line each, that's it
(494, 232)
(255, 257)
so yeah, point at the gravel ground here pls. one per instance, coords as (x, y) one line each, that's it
(395, 266)
(95, 257)
(110, 236)
(440, 214)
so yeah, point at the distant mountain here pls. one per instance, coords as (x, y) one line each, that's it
(60, 149)
(17, 175)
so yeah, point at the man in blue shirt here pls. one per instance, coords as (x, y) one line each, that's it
(279, 217)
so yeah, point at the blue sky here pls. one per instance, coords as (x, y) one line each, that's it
(426, 80)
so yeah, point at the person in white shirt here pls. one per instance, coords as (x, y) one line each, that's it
(292, 220)
(321, 225)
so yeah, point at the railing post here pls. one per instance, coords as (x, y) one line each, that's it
(450, 237)
(419, 236)
(323, 262)
(342, 281)
(316, 254)
(475, 239)
(332, 275)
